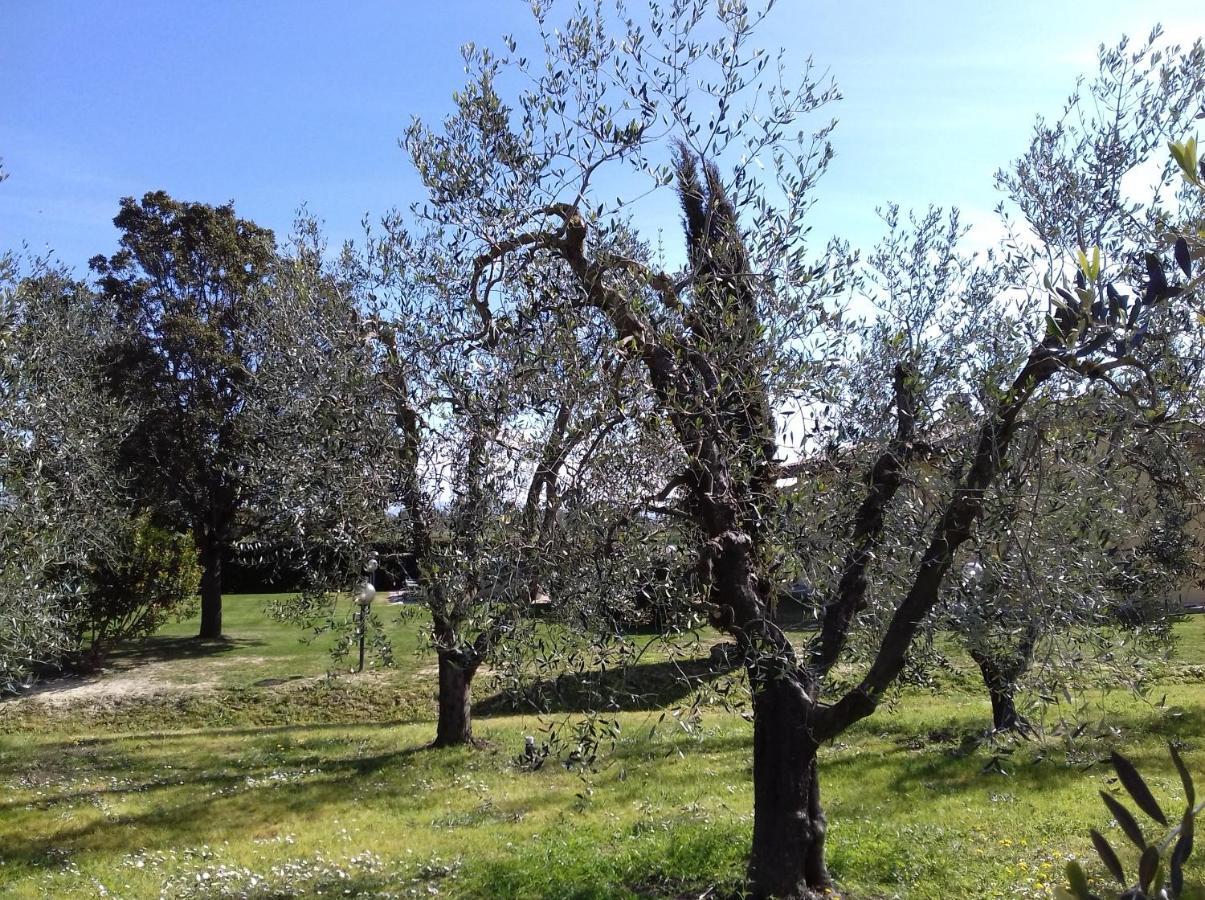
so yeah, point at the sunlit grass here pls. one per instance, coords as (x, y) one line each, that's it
(335, 795)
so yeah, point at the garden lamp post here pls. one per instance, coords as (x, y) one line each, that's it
(364, 597)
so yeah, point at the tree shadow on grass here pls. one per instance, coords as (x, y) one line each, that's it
(167, 649)
(204, 804)
(956, 760)
(234, 731)
(639, 688)
(248, 796)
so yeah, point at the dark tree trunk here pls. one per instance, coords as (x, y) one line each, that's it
(1001, 684)
(211, 591)
(787, 859)
(1004, 710)
(455, 724)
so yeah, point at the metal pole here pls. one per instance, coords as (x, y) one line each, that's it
(363, 622)
(362, 630)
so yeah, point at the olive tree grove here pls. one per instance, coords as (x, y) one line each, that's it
(744, 326)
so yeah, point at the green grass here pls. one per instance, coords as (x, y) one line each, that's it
(266, 779)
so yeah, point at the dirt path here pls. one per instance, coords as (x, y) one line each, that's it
(106, 688)
(146, 679)
(162, 679)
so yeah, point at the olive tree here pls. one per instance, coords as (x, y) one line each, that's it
(79, 569)
(54, 486)
(1044, 576)
(736, 332)
(318, 490)
(492, 447)
(1074, 576)
(397, 422)
(1113, 497)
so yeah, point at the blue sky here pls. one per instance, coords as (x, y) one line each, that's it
(274, 104)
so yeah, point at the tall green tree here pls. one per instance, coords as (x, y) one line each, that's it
(184, 287)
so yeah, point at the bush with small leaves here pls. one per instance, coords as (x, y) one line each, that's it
(149, 576)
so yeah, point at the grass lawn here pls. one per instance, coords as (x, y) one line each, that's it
(235, 769)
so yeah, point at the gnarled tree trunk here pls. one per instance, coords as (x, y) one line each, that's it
(787, 857)
(786, 860)
(455, 724)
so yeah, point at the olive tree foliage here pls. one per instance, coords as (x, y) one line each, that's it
(40, 526)
(1081, 498)
(1090, 493)
(1162, 856)
(1072, 581)
(317, 501)
(1098, 186)
(932, 321)
(65, 521)
(323, 492)
(66, 527)
(1111, 501)
(1097, 175)
(497, 435)
(740, 330)
(1111, 143)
